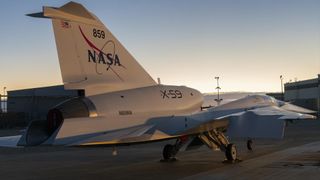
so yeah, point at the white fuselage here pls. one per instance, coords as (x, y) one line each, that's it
(134, 107)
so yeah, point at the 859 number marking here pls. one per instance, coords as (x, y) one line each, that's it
(97, 33)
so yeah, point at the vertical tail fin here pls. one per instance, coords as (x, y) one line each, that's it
(90, 57)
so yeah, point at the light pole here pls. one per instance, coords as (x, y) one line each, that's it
(218, 100)
(4, 99)
(281, 81)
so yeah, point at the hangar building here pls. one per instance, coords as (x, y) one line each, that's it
(304, 93)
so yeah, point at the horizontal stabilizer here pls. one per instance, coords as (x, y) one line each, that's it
(9, 141)
(37, 15)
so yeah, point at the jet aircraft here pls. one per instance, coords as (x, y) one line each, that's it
(123, 105)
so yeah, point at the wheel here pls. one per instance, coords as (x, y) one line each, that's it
(168, 152)
(249, 144)
(231, 152)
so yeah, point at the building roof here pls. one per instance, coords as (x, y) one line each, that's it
(57, 90)
(309, 83)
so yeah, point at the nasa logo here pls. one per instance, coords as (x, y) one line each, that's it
(103, 58)
(97, 55)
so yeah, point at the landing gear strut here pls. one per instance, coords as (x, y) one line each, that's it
(215, 139)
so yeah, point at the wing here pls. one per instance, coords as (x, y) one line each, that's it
(294, 108)
(266, 122)
(286, 113)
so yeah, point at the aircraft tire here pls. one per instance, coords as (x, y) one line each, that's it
(231, 152)
(250, 145)
(168, 152)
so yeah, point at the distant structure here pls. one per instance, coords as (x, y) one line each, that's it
(218, 100)
(282, 93)
(304, 93)
(35, 103)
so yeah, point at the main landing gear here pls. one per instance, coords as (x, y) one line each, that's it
(215, 139)
(231, 152)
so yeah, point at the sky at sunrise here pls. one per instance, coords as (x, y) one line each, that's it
(247, 43)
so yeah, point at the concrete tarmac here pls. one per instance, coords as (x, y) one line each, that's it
(295, 157)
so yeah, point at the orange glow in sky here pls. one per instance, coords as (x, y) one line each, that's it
(247, 43)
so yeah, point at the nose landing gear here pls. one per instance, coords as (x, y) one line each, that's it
(170, 151)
